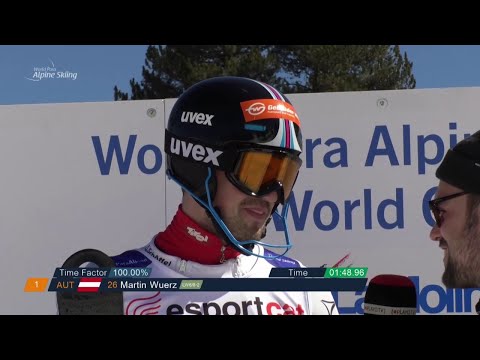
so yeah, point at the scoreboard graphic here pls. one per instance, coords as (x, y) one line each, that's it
(105, 280)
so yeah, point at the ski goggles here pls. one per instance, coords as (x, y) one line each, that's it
(260, 171)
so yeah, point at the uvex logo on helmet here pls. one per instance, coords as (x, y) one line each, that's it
(196, 152)
(198, 118)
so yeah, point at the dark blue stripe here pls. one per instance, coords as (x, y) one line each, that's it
(131, 258)
(281, 261)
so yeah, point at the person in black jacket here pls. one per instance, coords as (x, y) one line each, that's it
(456, 209)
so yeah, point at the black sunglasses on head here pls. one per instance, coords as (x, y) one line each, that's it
(437, 212)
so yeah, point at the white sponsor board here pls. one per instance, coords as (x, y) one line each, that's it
(92, 175)
(369, 170)
(55, 199)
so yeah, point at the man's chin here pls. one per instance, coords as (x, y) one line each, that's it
(453, 282)
(448, 277)
(248, 238)
(253, 235)
(447, 282)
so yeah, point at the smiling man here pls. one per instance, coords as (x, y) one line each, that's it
(233, 145)
(456, 209)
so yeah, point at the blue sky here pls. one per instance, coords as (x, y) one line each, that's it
(438, 66)
(99, 68)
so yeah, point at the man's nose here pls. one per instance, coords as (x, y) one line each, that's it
(435, 233)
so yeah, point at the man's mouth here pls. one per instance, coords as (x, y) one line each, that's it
(259, 213)
(443, 245)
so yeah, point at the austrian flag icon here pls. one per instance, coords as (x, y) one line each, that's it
(89, 284)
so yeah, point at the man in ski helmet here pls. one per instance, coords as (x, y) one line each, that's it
(233, 145)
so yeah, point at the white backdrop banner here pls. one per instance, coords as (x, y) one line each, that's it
(92, 175)
(75, 176)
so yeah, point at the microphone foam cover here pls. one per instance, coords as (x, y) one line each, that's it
(390, 295)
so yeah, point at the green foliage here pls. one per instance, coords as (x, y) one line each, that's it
(171, 69)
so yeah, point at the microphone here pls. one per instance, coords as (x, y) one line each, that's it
(390, 295)
(85, 303)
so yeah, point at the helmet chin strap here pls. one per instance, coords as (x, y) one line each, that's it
(223, 231)
(224, 236)
(264, 232)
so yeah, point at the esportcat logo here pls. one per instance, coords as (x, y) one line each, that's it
(431, 299)
(236, 308)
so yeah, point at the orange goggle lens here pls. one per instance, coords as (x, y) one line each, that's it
(261, 172)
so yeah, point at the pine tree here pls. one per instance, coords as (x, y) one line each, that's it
(171, 69)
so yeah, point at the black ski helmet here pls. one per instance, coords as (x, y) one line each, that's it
(211, 114)
(218, 123)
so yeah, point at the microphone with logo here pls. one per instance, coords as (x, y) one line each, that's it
(84, 303)
(390, 295)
